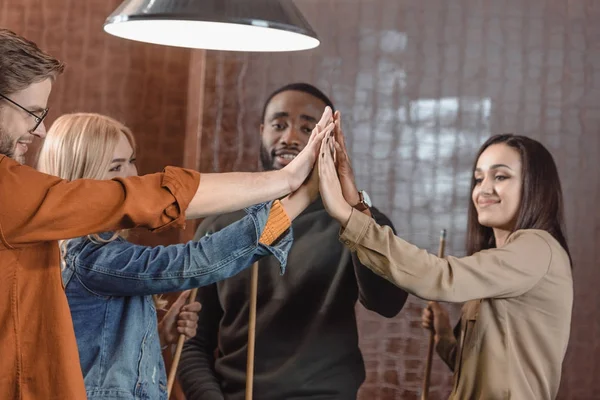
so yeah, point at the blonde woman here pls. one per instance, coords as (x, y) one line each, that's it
(109, 282)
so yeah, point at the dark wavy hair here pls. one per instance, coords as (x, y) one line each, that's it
(541, 195)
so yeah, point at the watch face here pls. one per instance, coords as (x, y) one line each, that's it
(367, 199)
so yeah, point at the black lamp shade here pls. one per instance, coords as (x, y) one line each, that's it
(236, 25)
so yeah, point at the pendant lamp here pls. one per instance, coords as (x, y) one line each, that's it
(234, 25)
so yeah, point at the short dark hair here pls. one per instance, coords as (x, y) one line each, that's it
(299, 87)
(541, 195)
(22, 63)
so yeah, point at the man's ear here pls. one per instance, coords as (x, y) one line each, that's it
(262, 128)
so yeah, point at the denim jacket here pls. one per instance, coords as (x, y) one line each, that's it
(109, 288)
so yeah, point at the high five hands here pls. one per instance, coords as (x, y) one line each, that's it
(332, 176)
(336, 179)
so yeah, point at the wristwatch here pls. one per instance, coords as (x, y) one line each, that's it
(364, 201)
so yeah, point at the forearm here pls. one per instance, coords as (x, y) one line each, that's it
(141, 270)
(226, 192)
(375, 292)
(295, 203)
(446, 348)
(505, 272)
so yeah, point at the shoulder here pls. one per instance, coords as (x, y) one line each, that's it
(538, 245)
(539, 239)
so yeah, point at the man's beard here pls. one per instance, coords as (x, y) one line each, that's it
(8, 147)
(266, 159)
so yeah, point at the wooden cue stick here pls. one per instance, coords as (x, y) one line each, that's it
(251, 332)
(173, 371)
(426, 379)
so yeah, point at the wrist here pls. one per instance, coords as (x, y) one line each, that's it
(445, 337)
(353, 199)
(344, 216)
(294, 203)
(286, 179)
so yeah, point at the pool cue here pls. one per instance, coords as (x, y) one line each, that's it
(251, 331)
(426, 378)
(173, 371)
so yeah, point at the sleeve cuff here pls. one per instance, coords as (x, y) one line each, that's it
(182, 184)
(355, 229)
(278, 223)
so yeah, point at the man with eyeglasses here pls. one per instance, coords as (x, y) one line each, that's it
(38, 351)
(16, 132)
(23, 130)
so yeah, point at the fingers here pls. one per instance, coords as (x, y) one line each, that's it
(187, 323)
(327, 157)
(427, 318)
(322, 151)
(187, 328)
(316, 130)
(435, 307)
(194, 307)
(321, 135)
(326, 131)
(339, 134)
(326, 119)
(180, 302)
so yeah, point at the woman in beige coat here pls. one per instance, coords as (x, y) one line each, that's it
(516, 281)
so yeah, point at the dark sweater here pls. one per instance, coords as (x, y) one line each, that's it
(306, 333)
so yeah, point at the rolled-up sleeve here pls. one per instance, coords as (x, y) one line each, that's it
(37, 207)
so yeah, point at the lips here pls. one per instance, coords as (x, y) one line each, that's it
(487, 203)
(284, 157)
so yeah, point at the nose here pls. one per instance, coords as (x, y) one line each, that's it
(487, 186)
(40, 131)
(291, 136)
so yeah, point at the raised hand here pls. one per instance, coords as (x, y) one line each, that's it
(298, 170)
(329, 183)
(343, 165)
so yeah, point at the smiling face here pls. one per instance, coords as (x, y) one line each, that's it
(289, 120)
(497, 191)
(16, 124)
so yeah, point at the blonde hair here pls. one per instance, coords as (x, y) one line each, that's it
(81, 146)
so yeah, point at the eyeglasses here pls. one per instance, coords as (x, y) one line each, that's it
(38, 118)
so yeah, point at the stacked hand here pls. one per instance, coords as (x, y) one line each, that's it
(301, 167)
(336, 178)
(331, 174)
